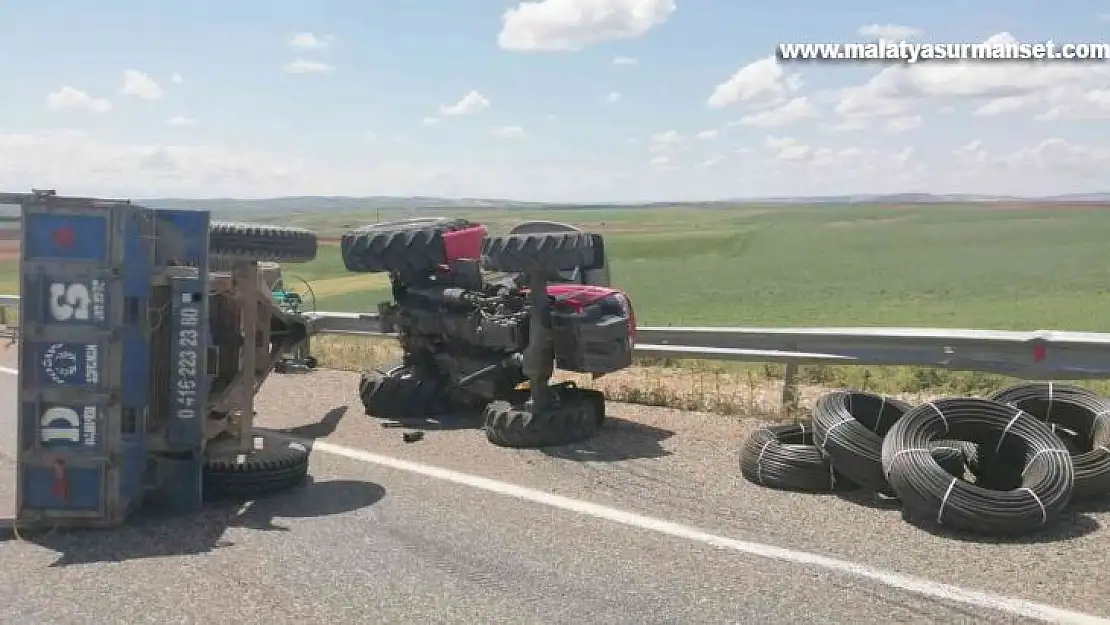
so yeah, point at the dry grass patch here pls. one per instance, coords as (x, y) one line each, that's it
(341, 286)
(744, 393)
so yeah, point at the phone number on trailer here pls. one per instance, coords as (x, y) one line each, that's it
(187, 338)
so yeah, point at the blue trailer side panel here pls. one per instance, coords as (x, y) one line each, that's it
(183, 241)
(84, 358)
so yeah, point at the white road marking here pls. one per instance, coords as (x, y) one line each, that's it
(920, 586)
(908, 583)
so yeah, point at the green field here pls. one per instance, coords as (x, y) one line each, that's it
(946, 265)
(938, 265)
(9, 277)
(934, 265)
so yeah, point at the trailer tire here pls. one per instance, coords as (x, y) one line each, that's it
(579, 416)
(280, 464)
(540, 251)
(397, 393)
(412, 245)
(232, 241)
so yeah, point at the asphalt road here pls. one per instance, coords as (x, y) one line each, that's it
(453, 530)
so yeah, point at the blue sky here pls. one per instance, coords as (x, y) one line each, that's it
(213, 108)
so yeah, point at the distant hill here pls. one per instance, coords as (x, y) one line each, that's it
(340, 204)
(356, 204)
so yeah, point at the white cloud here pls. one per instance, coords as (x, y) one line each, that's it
(140, 85)
(712, 160)
(663, 163)
(971, 152)
(1052, 159)
(788, 148)
(69, 98)
(430, 121)
(624, 60)
(177, 79)
(471, 103)
(779, 165)
(565, 25)
(1061, 155)
(181, 121)
(612, 97)
(309, 41)
(509, 132)
(304, 66)
(666, 141)
(1093, 104)
(764, 79)
(81, 164)
(78, 164)
(891, 32)
(793, 111)
(707, 135)
(903, 124)
(668, 136)
(1008, 104)
(997, 87)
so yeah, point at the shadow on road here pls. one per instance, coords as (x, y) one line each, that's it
(151, 533)
(620, 439)
(323, 428)
(1072, 525)
(470, 420)
(1093, 505)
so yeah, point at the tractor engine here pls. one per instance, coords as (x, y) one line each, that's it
(477, 316)
(473, 326)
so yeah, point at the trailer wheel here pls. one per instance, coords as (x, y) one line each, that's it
(578, 416)
(411, 245)
(538, 251)
(279, 465)
(398, 393)
(230, 241)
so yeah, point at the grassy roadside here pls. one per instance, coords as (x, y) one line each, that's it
(985, 266)
(724, 388)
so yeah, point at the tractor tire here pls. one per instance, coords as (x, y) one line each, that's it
(280, 465)
(396, 393)
(412, 245)
(540, 252)
(258, 242)
(578, 416)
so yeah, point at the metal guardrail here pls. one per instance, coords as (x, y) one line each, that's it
(1036, 355)
(6, 302)
(1039, 354)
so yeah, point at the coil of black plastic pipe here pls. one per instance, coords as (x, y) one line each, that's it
(1080, 417)
(849, 427)
(930, 493)
(784, 457)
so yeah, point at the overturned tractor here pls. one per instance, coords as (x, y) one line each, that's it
(485, 321)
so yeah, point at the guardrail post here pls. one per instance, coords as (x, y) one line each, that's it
(790, 388)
